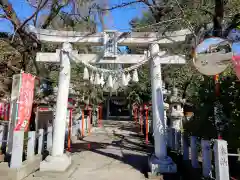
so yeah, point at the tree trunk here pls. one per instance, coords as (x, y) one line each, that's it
(218, 18)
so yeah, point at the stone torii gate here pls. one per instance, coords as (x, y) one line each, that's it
(159, 162)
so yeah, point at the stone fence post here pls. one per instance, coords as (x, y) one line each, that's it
(49, 138)
(31, 144)
(221, 160)
(17, 150)
(40, 141)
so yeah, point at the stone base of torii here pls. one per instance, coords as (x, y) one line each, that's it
(159, 162)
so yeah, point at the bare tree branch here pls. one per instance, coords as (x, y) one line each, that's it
(121, 5)
(10, 13)
(39, 8)
(12, 16)
(151, 8)
(54, 11)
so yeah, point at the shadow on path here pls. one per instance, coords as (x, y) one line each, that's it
(129, 149)
(125, 150)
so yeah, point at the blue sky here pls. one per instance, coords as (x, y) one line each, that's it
(118, 19)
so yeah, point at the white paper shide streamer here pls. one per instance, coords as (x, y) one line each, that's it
(124, 80)
(97, 79)
(135, 76)
(110, 82)
(121, 81)
(116, 86)
(128, 78)
(85, 74)
(92, 78)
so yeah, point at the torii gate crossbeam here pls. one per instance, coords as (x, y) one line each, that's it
(133, 39)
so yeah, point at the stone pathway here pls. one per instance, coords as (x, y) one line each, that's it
(113, 152)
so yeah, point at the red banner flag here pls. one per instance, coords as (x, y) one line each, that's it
(25, 102)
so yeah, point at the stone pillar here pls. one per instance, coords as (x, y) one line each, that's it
(221, 160)
(58, 161)
(157, 103)
(159, 162)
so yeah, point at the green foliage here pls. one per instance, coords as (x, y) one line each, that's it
(19, 51)
(140, 92)
(203, 123)
(196, 88)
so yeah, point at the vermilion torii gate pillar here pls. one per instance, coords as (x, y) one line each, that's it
(159, 162)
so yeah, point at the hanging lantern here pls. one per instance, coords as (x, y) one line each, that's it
(85, 74)
(97, 79)
(110, 82)
(92, 78)
(135, 76)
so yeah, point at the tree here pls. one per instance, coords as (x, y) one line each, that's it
(196, 88)
(25, 45)
(204, 123)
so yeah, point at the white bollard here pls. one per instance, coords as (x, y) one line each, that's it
(17, 149)
(40, 141)
(221, 160)
(31, 144)
(49, 138)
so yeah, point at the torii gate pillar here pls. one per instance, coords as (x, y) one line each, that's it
(159, 162)
(58, 161)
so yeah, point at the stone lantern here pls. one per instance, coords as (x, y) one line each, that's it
(175, 115)
(176, 110)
